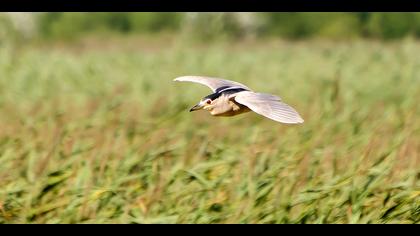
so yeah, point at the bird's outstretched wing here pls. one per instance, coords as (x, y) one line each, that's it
(269, 106)
(215, 84)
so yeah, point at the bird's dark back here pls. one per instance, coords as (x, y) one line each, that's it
(225, 90)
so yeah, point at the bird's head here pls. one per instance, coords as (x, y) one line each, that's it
(205, 103)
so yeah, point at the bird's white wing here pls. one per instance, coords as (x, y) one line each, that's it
(269, 106)
(213, 83)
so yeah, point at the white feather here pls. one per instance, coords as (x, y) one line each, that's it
(213, 83)
(269, 106)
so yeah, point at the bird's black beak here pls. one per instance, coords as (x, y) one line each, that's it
(196, 107)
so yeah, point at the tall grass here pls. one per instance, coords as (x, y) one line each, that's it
(104, 136)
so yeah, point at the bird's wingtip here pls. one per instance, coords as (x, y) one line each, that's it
(187, 77)
(180, 78)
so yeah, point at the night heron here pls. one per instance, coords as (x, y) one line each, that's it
(231, 98)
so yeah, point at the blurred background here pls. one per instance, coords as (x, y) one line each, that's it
(94, 130)
(67, 26)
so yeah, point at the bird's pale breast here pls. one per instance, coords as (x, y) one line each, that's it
(232, 108)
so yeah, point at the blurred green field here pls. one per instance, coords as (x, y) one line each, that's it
(97, 132)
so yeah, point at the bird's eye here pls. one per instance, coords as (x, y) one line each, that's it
(208, 101)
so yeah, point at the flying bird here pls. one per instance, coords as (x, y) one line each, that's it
(230, 98)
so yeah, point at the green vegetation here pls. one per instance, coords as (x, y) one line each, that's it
(73, 25)
(99, 133)
(207, 26)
